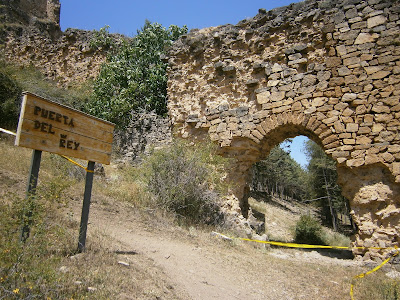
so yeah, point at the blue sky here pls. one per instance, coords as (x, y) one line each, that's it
(128, 16)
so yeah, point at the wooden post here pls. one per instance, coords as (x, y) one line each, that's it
(86, 206)
(30, 193)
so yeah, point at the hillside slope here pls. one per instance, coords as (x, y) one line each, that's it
(134, 253)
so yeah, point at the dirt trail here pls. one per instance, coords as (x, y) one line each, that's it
(207, 268)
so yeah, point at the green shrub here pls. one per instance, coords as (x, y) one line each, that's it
(181, 178)
(134, 77)
(101, 38)
(10, 93)
(308, 231)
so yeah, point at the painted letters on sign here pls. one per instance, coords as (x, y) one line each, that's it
(48, 126)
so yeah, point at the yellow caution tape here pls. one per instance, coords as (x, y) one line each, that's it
(75, 163)
(294, 245)
(362, 275)
(8, 132)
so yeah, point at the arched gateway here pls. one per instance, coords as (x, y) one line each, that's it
(329, 70)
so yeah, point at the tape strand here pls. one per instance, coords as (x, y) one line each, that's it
(75, 163)
(294, 245)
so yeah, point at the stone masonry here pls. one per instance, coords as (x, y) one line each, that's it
(30, 35)
(329, 70)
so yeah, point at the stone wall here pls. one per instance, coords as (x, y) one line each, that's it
(31, 35)
(146, 132)
(329, 70)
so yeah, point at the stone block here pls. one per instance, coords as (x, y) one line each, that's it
(364, 37)
(364, 130)
(373, 69)
(297, 62)
(221, 127)
(332, 145)
(333, 62)
(379, 108)
(336, 81)
(277, 96)
(380, 75)
(330, 139)
(216, 121)
(354, 163)
(363, 140)
(341, 50)
(347, 97)
(309, 80)
(349, 141)
(352, 127)
(343, 71)
(396, 168)
(294, 56)
(338, 153)
(280, 109)
(376, 21)
(276, 68)
(371, 159)
(324, 75)
(263, 97)
(261, 129)
(387, 157)
(257, 134)
(272, 83)
(331, 120)
(233, 126)
(347, 112)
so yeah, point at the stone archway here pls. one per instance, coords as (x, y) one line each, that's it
(329, 70)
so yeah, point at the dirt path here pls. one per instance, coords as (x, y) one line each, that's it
(208, 268)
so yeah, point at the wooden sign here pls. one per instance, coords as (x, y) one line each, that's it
(49, 126)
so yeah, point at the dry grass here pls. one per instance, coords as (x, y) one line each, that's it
(95, 274)
(48, 265)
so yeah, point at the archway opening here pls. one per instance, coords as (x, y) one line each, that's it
(297, 178)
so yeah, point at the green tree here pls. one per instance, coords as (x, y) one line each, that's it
(134, 77)
(323, 183)
(279, 174)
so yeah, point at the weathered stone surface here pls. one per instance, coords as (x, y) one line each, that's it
(342, 92)
(338, 82)
(363, 38)
(376, 21)
(66, 57)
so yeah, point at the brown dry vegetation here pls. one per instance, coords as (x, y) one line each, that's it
(138, 252)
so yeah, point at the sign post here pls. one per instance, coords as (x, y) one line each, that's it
(85, 207)
(49, 126)
(30, 192)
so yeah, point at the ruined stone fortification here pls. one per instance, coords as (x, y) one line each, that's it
(329, 70)
(31, 35)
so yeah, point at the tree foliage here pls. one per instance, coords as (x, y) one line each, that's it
(323, 183)
(134, 77)
(280, 174)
